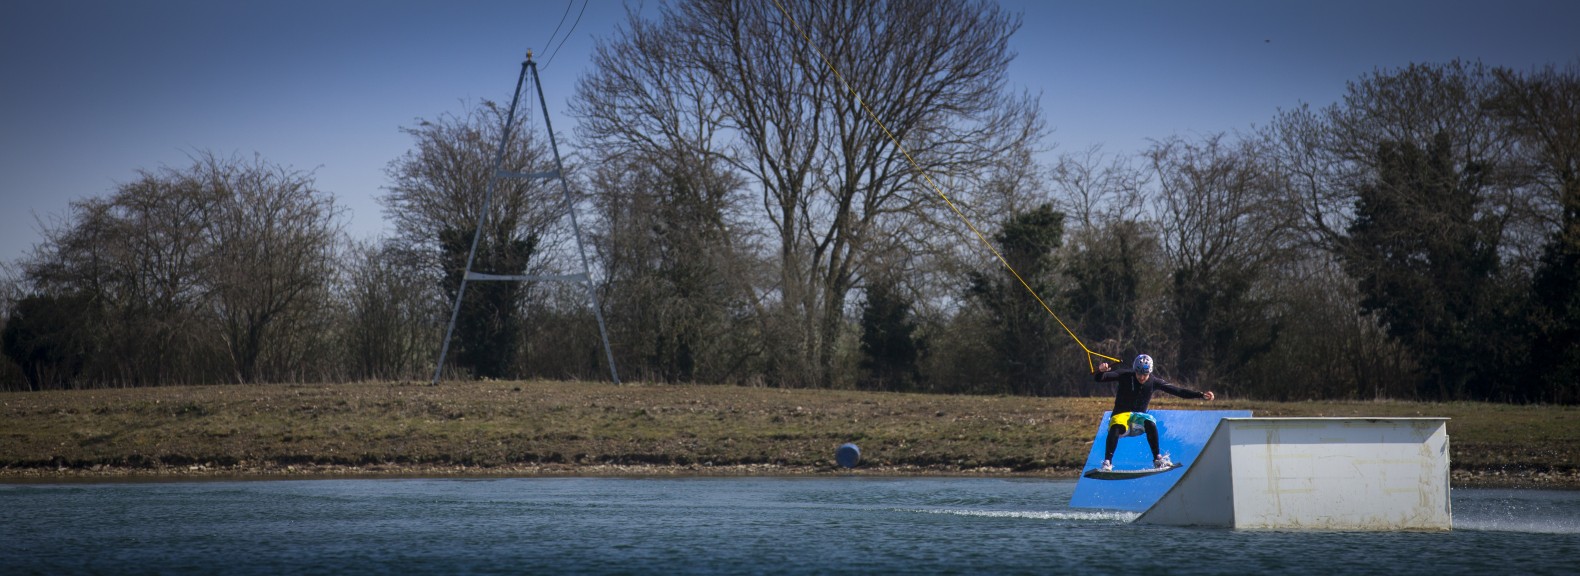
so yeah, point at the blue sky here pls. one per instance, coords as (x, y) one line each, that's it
(93, 90)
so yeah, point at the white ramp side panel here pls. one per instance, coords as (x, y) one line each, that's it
(1316, 473)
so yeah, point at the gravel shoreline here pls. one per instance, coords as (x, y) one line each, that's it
(1494, 479)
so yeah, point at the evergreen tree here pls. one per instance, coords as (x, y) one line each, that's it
(1026, 331)
(1555, 361)
(488, 333)
(1541, 111)
(1425, 261)
(889, 347)
(48, 338)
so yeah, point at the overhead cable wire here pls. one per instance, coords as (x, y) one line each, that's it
(568, 4)
(568, 33)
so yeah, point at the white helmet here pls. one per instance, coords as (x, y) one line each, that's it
(1143, 364)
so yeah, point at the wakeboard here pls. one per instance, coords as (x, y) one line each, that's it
(1100, 474)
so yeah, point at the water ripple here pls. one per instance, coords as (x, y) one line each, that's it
(1034, 515)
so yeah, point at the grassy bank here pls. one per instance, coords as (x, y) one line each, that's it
(591, 428)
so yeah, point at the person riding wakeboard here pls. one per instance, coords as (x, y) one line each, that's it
(1132, 393)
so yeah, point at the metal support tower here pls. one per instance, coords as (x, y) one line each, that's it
(585, 277)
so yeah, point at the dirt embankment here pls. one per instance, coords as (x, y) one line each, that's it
(582, 428)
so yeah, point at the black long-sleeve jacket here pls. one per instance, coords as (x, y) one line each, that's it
(1131, 395)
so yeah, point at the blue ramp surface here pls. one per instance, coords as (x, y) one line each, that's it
(1181, 435)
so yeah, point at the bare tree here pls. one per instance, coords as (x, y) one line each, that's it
(1220, 234)
(393, 311)
(1324, 157)
(1095, 187)
(139, 257)
(672, 231)
(193, 275)
(818, 144)
(1541, 110)
(273, 237)
(439, 185)
(434, 202)
(1110, 258)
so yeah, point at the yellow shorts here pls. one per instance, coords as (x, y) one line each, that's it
(1131, 422)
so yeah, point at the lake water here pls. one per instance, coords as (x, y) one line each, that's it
(718, 525)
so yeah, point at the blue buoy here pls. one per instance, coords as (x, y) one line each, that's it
(848, 455)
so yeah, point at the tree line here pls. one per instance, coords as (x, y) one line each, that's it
(757, 219)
